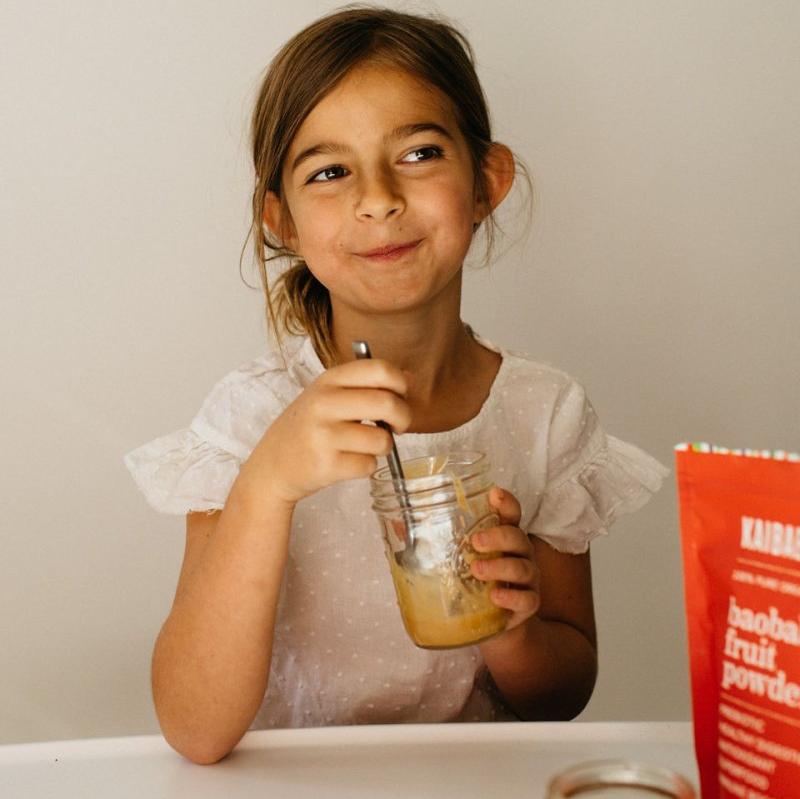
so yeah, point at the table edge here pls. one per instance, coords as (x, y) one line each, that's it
(665, 732)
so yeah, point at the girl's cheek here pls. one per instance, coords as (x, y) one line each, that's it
(318, 228)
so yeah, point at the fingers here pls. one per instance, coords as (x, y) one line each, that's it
(374, 404)
(370, 373)
(319, 438)
(523, 603)
(360, 438)
(360, 390)
(348, 450)
(352, 465)
(516, 571)
(506, 505)
(506, 538)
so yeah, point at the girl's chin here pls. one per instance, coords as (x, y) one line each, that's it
(394, 304)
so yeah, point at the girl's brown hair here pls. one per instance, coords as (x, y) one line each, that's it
(306, 69)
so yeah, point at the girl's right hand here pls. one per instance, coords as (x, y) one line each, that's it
(319, 439)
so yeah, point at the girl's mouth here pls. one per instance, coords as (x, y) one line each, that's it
(390, 252)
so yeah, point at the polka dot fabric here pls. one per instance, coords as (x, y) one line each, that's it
(341, 654)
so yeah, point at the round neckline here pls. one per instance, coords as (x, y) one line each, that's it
(309, 355)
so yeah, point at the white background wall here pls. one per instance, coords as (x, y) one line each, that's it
(661, 270)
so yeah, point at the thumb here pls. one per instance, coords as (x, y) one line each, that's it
(506, 505)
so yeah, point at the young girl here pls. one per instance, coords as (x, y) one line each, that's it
(374, 167)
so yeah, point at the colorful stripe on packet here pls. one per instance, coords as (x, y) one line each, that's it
(771, 454)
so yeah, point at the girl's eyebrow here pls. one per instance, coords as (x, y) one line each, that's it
(400, 132)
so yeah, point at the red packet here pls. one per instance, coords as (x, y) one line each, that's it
(740, 537)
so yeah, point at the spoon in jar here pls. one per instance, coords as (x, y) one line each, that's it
(361, 351)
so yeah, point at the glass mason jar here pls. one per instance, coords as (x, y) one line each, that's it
(619, 779)
(441, 603)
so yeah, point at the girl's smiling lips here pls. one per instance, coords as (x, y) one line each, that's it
(391, 251)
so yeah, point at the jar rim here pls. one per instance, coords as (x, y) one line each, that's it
(596, 774)
(474, 460)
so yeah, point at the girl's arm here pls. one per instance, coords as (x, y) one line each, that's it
(211, 659)
(545, 664)
(546, 667)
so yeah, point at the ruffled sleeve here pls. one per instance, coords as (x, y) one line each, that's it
(182, 472)
(193, 469)
(593, 478)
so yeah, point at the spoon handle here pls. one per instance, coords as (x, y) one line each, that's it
(361, 351)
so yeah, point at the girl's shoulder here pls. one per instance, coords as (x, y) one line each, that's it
(245, 400)
(272, 379)
(193, 468)
(522, 370)
(576, 479)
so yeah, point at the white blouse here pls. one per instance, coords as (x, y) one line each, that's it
(340, 653)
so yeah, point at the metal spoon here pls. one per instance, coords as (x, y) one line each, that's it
(361, 350)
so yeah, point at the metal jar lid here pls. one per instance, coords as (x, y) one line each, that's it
(598, 779)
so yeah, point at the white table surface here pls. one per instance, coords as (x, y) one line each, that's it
(513, 760)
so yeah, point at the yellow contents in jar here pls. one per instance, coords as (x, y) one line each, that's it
(445, 606)
(458, 487)
(441, 613)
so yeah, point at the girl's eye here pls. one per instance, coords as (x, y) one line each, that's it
(423, 154)
(327, 174)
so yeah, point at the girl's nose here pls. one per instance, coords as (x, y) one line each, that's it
(379, 198)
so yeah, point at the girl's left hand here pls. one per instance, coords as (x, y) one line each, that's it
(515, 570)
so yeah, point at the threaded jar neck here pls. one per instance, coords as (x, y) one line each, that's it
(432, 481)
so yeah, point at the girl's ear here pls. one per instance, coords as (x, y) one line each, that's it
(279, 222)
(498, 172)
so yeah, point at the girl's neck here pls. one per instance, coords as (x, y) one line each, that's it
(451, 373)
(432, 352)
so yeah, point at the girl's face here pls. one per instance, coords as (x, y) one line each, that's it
(381, 193)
